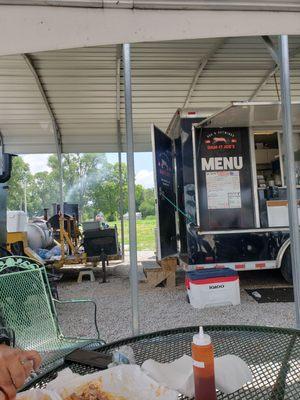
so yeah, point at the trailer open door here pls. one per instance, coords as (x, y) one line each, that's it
(162, 148)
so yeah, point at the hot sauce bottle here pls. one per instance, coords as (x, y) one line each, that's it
(203, 365)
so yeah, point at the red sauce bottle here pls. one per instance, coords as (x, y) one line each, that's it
(203, 364)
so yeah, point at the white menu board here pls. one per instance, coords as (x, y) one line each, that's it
(223, 190)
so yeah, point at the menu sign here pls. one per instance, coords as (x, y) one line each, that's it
(223, 190)
(224, 178)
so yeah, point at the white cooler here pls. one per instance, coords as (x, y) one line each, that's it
(213, 287)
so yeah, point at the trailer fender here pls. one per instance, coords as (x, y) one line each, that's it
(281, 252)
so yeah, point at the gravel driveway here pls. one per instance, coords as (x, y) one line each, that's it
(162, 308)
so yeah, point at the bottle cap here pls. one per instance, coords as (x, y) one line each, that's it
(201, 339)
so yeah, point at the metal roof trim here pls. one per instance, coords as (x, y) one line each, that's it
(221, 5)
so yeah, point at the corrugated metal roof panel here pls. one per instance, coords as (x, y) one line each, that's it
(24, 119)
(80, 85)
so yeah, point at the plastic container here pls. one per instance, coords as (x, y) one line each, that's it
(213, 287)
(203, 365)
(16, 221)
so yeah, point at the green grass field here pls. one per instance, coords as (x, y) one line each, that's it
(145, 233)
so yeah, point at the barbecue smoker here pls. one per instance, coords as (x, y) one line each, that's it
(221, 199)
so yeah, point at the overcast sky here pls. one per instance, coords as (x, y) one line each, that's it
(143, 165)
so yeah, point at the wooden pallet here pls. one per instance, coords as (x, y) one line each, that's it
(163, 273)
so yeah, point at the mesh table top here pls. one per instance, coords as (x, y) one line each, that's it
(273, 355)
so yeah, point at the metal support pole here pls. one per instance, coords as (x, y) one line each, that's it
(131, 191)
(3, 199)
(118, 114)
(60, 166)
(121, 193)
(3, 214)
(25, 195)
(61, 182)
(290, 168)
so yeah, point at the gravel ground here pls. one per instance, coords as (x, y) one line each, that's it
(162, 308)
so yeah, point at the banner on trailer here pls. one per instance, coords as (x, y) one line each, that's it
(224, 178)
(165, 194)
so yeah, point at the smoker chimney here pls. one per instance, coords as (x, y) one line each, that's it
(46, 214)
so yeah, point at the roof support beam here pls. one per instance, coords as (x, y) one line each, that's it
(264, 80)
(56, 131)
(272, 71)
(271, 48)
(203, 62)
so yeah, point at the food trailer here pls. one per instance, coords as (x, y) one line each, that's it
(221, 199)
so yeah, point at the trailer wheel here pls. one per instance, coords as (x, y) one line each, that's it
(286, 266)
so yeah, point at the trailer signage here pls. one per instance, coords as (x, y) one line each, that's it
(221, 163)
(216, 286)
(224, 178)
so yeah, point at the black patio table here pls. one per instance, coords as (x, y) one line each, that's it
(273, 355)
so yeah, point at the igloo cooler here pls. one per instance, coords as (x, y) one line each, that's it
(213, 287)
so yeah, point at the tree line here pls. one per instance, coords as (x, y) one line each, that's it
(88, 179)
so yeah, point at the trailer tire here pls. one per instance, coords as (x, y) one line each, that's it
(286, 266)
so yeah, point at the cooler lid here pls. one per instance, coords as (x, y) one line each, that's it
(210, 273)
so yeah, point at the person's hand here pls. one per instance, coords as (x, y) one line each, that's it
(15, 367)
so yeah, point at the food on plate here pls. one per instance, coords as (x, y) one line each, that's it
(92, 391)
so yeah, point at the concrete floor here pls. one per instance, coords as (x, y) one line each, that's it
(162, 308)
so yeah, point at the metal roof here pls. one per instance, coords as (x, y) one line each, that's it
(80, 86)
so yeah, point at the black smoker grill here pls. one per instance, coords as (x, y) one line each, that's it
(100, 244)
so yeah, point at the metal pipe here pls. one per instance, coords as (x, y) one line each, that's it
(118, 114)
(270, 46)
(254, 178)
(25, 195)
(3, 214)
(60, 181)
(121, 192)
(131, 191)
(290, 168)
(269, 74)
(203, 62)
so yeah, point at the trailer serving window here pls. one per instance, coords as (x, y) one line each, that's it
(296, 138)
(267, 157)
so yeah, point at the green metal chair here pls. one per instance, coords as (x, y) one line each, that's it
(28, 308)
